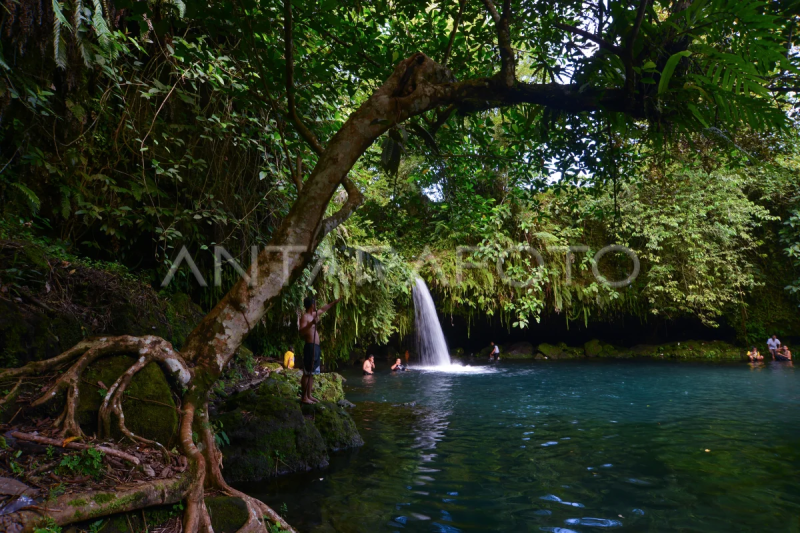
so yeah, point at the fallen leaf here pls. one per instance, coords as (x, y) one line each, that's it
(68, 440)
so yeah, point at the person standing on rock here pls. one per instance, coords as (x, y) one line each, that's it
(773, 344)
(311, 351)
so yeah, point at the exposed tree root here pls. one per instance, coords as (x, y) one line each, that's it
(71, 508)
(205, 460)
(257, 509)
(75, 446)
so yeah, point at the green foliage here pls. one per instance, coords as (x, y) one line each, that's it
(126, 137)
(87, 462)
(47, 525)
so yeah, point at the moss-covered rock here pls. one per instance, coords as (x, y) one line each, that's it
(28, 333)
(560, 351)
(270, 434)
(150, 410)
(701, 350)
(335, 425)
(228, 513)
(518, 350)
(596, 348)
(65, 301)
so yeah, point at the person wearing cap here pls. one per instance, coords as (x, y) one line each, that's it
(312, 353)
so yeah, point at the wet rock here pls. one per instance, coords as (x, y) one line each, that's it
(150, 410)
(272, 433)
(560, 351)
(517, 350)
(596, 348)
(337, 428)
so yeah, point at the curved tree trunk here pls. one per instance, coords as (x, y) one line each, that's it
(418, 84)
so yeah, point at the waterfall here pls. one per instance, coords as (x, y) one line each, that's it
(431, 345)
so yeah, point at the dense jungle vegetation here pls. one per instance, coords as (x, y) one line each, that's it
(128, 135)
(130, 130)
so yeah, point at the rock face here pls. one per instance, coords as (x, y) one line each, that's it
(560, 351)
(271, 434)
(686, 350)
(150, 410)
(596, 348)
(79, 301)
(518, 350)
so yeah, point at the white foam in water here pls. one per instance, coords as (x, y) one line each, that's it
(457, 369)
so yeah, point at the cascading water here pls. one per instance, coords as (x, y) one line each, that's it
(431, 345)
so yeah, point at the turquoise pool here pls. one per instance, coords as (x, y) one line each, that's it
(559, 447)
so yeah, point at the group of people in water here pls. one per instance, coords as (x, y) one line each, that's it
(368, 368)
(778, 351)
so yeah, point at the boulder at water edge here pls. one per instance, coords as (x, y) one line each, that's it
(560, 351)
(271, 434)
(517, 350)
(596, 348)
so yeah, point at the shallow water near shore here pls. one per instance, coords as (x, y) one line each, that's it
(561, 446)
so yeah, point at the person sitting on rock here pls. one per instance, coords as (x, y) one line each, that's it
(754, 356)
(369, 365)
(288, 358)
(783, 354)
(398, 366)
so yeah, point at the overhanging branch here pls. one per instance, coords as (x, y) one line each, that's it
(354, 200)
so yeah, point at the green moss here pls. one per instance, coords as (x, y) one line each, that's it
(335, 425)
(80, 502)
(103, 498)
(228, 514)
(149, 407)
(560, 351)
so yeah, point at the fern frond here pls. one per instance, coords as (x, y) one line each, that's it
(100, 26)
(82, 24)
(32, 198)
(59, 46)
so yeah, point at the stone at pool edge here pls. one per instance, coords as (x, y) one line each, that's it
(684, 350)
(272, 433)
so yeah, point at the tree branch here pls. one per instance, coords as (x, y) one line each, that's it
(508, 61)
(304, 132)
(637, 24)
(628, 57)
(452, 40)
(354, 200)
(602, 43)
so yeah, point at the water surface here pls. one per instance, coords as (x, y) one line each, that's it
(562, 446)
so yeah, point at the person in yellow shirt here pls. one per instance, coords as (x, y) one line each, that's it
(288, 358)
(754, 356)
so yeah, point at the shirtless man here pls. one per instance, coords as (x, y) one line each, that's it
(311, 350)
(369, 365)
